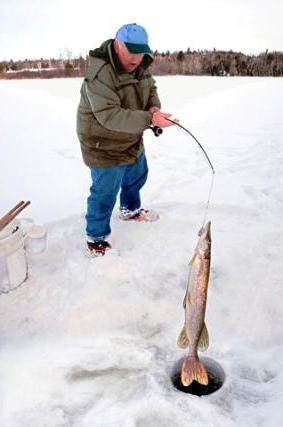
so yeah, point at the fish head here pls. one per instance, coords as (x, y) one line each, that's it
(204, 243)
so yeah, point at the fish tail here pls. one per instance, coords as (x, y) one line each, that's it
(193, 369)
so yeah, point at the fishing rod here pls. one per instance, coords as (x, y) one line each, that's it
(158, 131)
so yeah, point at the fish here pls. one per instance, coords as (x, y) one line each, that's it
(194, 334)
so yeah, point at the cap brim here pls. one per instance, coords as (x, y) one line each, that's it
(138, 48)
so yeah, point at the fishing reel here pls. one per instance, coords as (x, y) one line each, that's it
(156, 130)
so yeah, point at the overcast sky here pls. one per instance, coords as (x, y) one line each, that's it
(46, 28)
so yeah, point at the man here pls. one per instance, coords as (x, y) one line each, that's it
(118, 102)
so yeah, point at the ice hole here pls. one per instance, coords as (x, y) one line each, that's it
(216, 377)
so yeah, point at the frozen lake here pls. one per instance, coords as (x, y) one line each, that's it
(91, 343)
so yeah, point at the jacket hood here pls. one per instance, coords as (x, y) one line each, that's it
(106, 51)
(102, 51)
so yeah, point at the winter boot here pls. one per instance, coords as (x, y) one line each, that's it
(98, 248)
(139, 215)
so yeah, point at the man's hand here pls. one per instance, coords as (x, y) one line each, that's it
(159, 119)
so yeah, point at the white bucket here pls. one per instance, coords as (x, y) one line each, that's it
(13, 262)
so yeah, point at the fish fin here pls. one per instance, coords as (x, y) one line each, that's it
(193, 369)
(203, 342)
(192, 259)
(183, 340)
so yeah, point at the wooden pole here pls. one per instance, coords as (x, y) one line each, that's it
(8, 217)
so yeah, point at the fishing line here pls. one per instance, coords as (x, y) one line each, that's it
(210, 166)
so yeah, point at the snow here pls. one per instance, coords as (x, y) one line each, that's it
(92, 342)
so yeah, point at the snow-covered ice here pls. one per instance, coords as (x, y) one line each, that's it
(91, 342)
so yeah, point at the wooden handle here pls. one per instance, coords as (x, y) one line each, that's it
(15, 208)
(6, 219)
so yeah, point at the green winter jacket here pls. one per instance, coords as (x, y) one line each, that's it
(113, 109)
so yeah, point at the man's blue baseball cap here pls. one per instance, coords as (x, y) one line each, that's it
(135, 38)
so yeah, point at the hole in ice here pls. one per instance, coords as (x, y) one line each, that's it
(216, 377)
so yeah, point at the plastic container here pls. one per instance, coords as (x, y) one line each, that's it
(36, 240)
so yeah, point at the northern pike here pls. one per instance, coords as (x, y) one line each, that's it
(194, 333)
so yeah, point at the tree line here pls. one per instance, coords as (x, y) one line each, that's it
(201, 62)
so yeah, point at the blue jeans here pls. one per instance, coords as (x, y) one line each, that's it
(106, 183)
